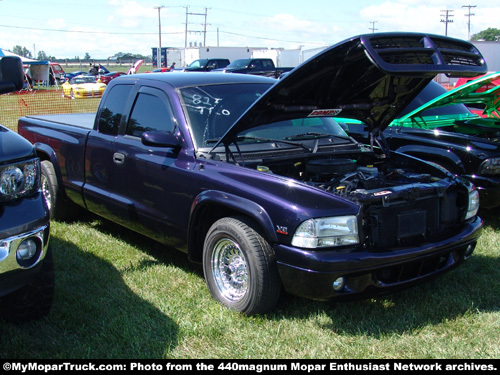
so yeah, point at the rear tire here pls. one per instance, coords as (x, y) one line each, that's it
(239, 267)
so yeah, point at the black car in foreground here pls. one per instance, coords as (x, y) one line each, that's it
(26, 268)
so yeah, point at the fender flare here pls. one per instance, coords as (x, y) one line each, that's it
(434, 154)
(45, 152)
(233, 203)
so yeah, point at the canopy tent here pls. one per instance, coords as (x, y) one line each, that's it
(4, 52)
(38, 69)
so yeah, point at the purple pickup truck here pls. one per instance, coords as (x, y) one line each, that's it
(255, 179)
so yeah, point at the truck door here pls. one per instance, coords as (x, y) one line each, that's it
(147, 193)
(99, 166)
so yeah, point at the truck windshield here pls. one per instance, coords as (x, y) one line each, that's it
(212, 110)
(198, 63)
(240, 63)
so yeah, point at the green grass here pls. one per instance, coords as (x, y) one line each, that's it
(120, 295)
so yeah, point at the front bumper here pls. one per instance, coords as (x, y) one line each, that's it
(20, 221)
(312, 274)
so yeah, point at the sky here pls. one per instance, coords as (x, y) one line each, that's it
(102, 28)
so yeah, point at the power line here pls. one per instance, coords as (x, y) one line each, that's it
(86, 32)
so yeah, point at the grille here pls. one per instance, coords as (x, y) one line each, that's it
(410, 222)
(414, 270)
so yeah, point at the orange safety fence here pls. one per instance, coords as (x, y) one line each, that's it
(40, 102)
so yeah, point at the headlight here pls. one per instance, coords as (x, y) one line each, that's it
(490, 166)
(19, 180)
(327, 232)
(473, 206)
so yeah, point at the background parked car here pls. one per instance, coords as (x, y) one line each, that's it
(158, 70)
(83, 87)
(205, 65)
(105, 78)
(56, 73)
(71, 75)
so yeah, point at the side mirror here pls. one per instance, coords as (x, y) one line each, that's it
(160, 139)
(11, 74)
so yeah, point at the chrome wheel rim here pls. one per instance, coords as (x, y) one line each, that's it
(230, 271)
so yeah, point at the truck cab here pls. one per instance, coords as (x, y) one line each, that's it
(206, 65)
(26, 268)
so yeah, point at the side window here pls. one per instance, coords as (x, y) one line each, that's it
(267, 64)
(151, 112)
(111, 114)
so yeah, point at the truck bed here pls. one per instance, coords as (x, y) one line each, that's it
(82, 120)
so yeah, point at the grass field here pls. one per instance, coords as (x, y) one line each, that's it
(120, 295)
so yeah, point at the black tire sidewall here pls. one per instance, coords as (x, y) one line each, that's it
(262, 274)
(47, 170)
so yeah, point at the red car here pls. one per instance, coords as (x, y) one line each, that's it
(158, 70)
(494, 82)
(105, 78)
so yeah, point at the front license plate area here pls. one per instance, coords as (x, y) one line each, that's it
(412, 224)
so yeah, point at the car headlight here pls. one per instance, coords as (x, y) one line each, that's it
(327, 232)
(490, 166)
(473, 206)
(19, 179)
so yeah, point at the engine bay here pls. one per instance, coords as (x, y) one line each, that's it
(357, 175)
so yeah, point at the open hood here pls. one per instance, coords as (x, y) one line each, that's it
(478, 91)
(370, 78)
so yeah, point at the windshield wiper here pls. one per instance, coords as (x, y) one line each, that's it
(260, 139)
(315, 135)
(212, 140)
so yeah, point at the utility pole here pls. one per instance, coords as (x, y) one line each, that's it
(159, 26)
(158, 54)
(373, 26)
(447, 19)
(468, 16)
(196, 31)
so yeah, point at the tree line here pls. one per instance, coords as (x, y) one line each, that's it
(24, 52)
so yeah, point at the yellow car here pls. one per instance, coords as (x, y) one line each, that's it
(80, 87)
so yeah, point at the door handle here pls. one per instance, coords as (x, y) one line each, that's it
(118, 158)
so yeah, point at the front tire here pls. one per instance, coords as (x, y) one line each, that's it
(58, 209)
(239, 267)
